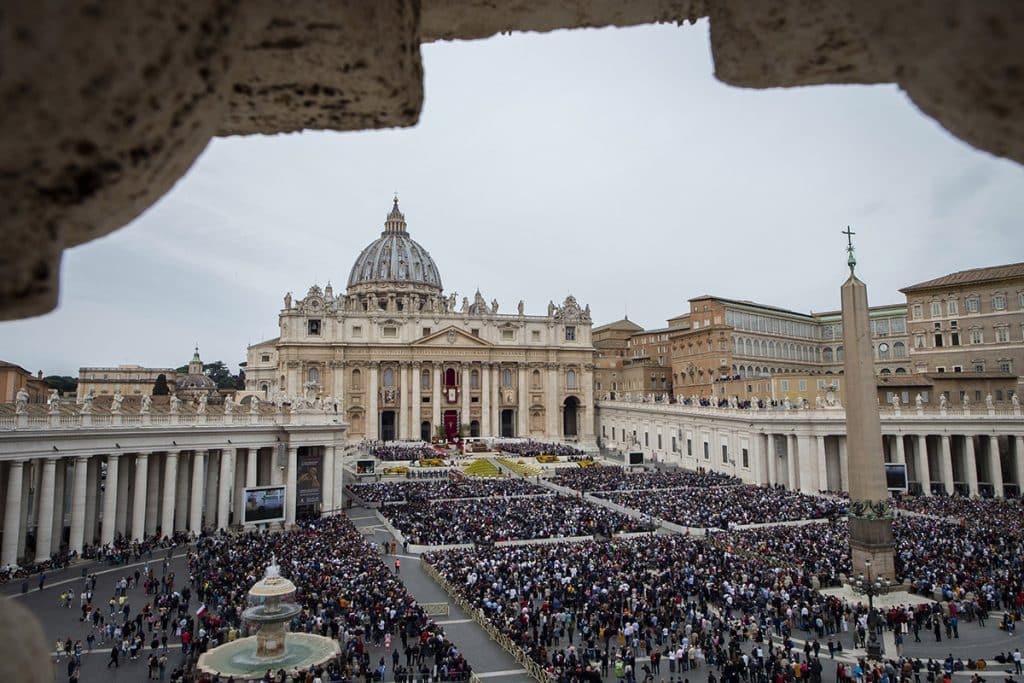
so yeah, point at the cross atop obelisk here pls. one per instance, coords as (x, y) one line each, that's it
(870, 517)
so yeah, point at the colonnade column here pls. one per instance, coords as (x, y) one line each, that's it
(195, 522)
(78, 495)
(59, 485)
(139, 503)
(794, 473)
(844, 465)
(170, 486)
(372, 414)
(435, 400)
(970, 465)
(153, 495)
(822, 464)
(924, 473)
(496, 399)
(404, 419)
(1018, 463)
(808, 469)
(522, 414)
(44, 520)
(485, 399)
(213, 458)
(768, 458)
(588, 426)
(227, 478)
(252, 459)
(327, 480)
(417, 392)
(110, 500)
(464, 412)
(181, 508)
(901, 453)
(92, 490)
(291, 490)
(995, 467)
(946, 463)
(123, 502)
(12, 513)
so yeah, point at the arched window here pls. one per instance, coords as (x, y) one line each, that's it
(839, 354)
(389, 377)
(536, 379)
(265, 388)
(901, 371)
(313, 375)
(570, 379)
(899, 350)
(357, 380)
(474, 379)
(746, 347)
(884, 371)
(449, 377)
(425, 379)
(506, 377)
(883, 351)
(826, 355)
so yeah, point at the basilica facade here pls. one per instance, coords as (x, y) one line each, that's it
(400, 359)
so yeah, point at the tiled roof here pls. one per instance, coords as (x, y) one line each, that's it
(972, 276)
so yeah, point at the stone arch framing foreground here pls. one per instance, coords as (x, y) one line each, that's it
(111, 106)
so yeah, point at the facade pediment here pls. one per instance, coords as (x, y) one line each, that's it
(452, 337)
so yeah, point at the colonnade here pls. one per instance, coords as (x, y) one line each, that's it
(71, 501)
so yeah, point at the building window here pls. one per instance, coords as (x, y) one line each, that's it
(689, 447)
(474, 379)
(999, 394)
(883, 351)
(506, 377)
(1005, 366)
(659, 442)
(570, 380)
(647, 439)
(426, 331)
(265, 358)
(803, 385)
(313, 328)
(936, 309)
(918, 341)
(508, 335)
(707, 451)
(725, 453)
(535, 335)
(745, 455)
(425, 380)
(784, 384)
(973, 304)
(674, 450)
(938, 340)
(389, 332)
(357, 380)
(570, 333)
(475, 331)
(999, 302)
(952, 308)
(1002, 334)
(1020, 299)
(954, 339)
(979, 366)
(899, 350)
(357, 331)
(313, 375)
(958, 368)
(916, 311)
(977, 336)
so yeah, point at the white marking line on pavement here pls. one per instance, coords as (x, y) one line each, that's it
(118, 568)
(453, 621)
(358, 519)
(496, 674)
(99, 650)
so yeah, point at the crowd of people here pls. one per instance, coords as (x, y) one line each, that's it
(1006, 513)
(488, 521)
(721, 508)
(621, 479)
(398, 451)
(531, 449)
(435, 489)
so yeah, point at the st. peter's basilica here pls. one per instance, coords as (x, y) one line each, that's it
(401, 360)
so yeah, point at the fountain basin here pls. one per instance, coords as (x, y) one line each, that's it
(238, 658)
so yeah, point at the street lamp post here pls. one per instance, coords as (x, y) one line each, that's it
(872, 588)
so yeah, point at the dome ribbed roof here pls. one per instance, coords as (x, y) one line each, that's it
(395, 257)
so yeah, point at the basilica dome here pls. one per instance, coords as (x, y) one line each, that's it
(395, 258)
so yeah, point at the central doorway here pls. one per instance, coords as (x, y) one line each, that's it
(387, 425)
(508, 422)
(425, 431)
(569, 416)
(451, 424)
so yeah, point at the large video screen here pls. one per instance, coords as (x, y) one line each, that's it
(263, 504)
(895, 476)
(636, 458)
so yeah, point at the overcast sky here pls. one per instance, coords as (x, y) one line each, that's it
(608, 164)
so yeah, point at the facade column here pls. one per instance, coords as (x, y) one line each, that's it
(123, 501)
(59, 486)
(327, 480)
(946, 463)
(170, 486)
(844, 464)
(153, 495)
(586, 430)
(110, 500)
(372, 413)
(12, 513)
(195, 522)
(924, 473)
(139, 502)
(213, 458)
(496, 399)
(252, 459)
(227, 477)
(92, 490)
(417, 394)
(291, 492)
(791, 461)
(78, 495)
(44, 519)
(464, 412)
(808, 467)
(435, 400)
(181, 493)
(768, 457)
(485, 400)
(522, 414)
(901, 453)
(970, 465)
(822, 463)
(338, 375)
(404, 419)
(995, 466)
(1018, 462)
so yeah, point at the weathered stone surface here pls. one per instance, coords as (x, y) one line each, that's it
(25, 655)
(105, 109)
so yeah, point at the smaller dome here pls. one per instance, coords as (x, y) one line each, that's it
(184, 382)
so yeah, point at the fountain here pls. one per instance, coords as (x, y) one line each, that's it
(271, 606)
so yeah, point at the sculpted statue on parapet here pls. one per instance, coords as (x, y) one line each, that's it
(895, 401)
(175, 404)
(53, 401)
(21, 401)
(254, 404)
(201, 406)
(989, 403)
(943, 402)
(288, 301)
(87, 402)
(967, 400)
(494, 306)
(919, 400)
(229, 404)
(147, 404)
(116, 401)
(1014, 401)
(521, 306)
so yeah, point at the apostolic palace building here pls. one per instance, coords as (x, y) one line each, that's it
(401, 360)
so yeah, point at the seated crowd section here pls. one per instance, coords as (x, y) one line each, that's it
(437, 489)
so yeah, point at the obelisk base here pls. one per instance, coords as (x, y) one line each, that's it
(872, 539)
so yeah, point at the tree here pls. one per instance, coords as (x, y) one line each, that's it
(62, 383)
(160, 387)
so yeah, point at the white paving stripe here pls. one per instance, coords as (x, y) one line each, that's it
(453, 621)
(496, 674)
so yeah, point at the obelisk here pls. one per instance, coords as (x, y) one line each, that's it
(870, 516)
